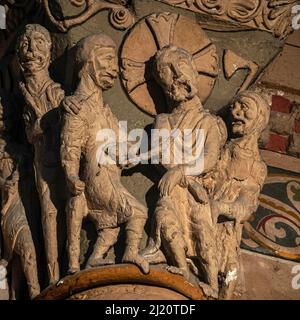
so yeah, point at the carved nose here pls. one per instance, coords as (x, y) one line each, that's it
(176, 72)
(30, 46)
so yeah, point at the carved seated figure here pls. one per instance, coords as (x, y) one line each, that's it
(96, 189)
(184, 228)
(17, 237)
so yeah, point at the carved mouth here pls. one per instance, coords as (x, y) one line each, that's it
(238, 122)
(29, 59)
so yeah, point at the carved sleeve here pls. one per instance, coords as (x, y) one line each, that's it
(213, 144)
(73, 137)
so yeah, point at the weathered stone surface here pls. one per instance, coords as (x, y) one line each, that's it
(283, 71)
(268, 278)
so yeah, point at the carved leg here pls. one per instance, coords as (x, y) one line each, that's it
(174, 246)
(26, 251)
(207, 252)
(106, 239)
(134, 234)
(75, 214)
(49, 214)
(17, 279)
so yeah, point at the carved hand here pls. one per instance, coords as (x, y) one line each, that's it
(72, 105)
(76, 186)
(171, 179)
(55, 94)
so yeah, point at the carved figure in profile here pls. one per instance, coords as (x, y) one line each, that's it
(96, 189)
(43, 97)
(235, 184)
(17, 237)
(184, 226)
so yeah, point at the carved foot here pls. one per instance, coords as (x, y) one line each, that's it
(138, 260)
(34, 293)
(154, 258)
(99, 262)
(73, 270)
(208, 290)
(179, 271)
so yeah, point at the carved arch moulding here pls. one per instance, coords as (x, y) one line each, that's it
(274, 16)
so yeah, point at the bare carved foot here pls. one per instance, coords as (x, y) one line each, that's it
(208, 290)
(73, 270)
(99, 262)
(179, 271)
(138, 260)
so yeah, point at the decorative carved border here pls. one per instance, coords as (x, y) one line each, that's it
(120, 16)
(274, 16)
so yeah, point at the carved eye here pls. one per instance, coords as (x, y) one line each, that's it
(245, 107)
(25, 44)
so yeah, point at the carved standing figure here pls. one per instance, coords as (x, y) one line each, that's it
(184, 226)
(235, 184)
(94, 185)
(17, 237)
(43, 97)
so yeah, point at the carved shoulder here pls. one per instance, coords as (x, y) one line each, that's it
(216, 124)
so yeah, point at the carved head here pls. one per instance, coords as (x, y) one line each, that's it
(175, 71)
(34, 49)
(250, 113)
(97, 58)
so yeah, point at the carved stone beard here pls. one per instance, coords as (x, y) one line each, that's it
(181, 90)
(105, 81)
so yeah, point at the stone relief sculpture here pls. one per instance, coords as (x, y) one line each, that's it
(182, 214)
(271, 15)
(43, 97)
(95, 188)
(235, 184)
(198, 219)
(199, 214)
(17, 237)
(120, 16)
(161, 30)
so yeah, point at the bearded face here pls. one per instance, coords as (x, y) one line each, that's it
(34, 52)
(177, 78)
(105, 68)
(244, 114)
